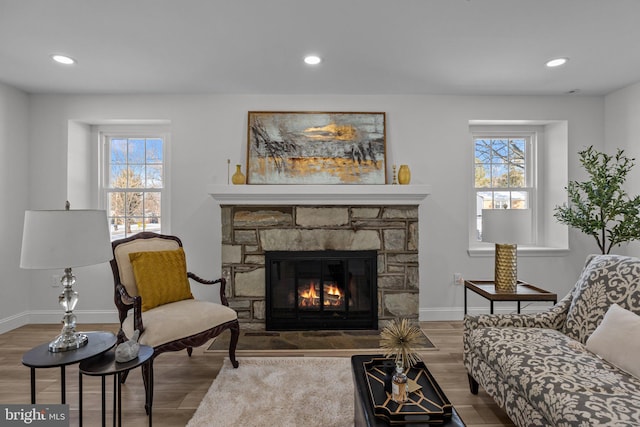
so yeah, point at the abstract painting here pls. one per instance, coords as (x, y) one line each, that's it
(316, 148)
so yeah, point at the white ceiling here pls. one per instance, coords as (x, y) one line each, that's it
(491, 47)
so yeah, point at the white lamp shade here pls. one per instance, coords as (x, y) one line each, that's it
(506, 226)
(65, 239)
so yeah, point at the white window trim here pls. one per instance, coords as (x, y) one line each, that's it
(106, 131)
(540, 213)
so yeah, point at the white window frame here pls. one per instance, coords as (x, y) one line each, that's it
(133, 131)
(550, 157)
(530, 137)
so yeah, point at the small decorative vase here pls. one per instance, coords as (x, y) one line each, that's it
(404, 174)
(399, 392)
(506, 268)
(238, 177)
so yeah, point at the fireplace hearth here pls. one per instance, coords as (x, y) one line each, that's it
(311, 290)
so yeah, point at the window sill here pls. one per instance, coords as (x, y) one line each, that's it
(523, 251)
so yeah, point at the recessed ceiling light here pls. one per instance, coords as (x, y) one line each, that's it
(556, 62)
(62, 59)
(312, 60)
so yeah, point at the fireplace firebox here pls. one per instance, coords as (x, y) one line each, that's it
(313, 290)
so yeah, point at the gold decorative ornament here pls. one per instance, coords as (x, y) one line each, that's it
(399, 340)
(238, 177)
(404, 174)
(506, 268)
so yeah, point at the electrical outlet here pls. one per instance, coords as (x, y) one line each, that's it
(55, 280)
(457, 279)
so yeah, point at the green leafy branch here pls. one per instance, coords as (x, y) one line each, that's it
(600, 207)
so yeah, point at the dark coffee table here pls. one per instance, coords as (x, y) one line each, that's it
(363, 409)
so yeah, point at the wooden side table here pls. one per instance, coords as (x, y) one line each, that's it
(105, 365)
(524, 292)
(41, 357)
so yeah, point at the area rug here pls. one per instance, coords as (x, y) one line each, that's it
(252, 343)
(288, 391)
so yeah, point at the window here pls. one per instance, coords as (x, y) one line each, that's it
(502, 173)
(519, 164)
(134, 182)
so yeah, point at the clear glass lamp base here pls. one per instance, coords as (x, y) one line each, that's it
(68, 339)
(66, 342)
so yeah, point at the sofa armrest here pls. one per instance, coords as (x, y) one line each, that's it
(553, 318)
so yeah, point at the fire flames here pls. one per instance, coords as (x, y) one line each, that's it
(310, 297)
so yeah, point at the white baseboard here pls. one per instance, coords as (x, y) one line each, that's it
(55, 316)
(12, 322)
(440, 314)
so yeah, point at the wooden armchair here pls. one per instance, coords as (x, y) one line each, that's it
(150, 264)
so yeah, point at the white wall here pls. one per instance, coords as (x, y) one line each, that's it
(430, 133)
(623, 131)
(81, 167)
(14, 179)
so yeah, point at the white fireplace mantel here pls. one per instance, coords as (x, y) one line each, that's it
(319, 194)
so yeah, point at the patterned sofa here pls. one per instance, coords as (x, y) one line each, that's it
(537, 366)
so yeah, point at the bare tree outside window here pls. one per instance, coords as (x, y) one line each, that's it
(135, 183)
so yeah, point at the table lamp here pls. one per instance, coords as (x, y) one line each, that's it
(65, 239)
(506, 228)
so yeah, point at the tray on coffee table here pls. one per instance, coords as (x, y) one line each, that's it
(426, 405)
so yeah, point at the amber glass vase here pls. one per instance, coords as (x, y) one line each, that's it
(238, 177)
(404, 174)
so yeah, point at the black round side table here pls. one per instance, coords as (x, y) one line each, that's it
(105, 365)
(41, 357)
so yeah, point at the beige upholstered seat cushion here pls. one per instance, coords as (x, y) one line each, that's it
(177, 320)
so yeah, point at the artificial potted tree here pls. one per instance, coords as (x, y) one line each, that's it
(600, 207)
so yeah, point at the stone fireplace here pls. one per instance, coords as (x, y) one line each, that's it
(249, 231)
(257, 219)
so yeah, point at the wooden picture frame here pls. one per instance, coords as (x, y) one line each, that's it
(316, 148)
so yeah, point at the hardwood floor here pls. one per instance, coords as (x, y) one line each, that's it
(182, 381)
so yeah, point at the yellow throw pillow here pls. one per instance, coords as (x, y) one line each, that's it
(161, 277)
